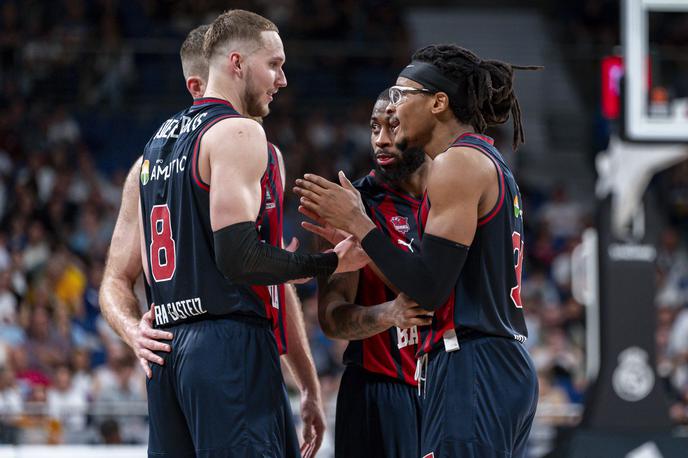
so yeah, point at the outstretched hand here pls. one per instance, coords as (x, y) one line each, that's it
(322, 229)
(340, 207)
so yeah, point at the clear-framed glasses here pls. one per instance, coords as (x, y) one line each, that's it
(397, 94)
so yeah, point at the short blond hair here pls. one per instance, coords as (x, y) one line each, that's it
(235, 25)
(193, 60)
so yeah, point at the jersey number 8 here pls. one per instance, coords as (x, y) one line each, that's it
(163, 257)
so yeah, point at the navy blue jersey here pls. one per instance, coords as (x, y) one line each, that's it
(185, 283)
(392, 352)
(487, 295)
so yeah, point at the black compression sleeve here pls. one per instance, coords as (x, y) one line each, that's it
(426, 277)
(243, 258)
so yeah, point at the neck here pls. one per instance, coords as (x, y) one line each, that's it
(220, 88)
(443, 135)
(415, 184)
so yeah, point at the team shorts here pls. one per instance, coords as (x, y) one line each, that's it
(479, 401)
(377, 416)
(220, 393)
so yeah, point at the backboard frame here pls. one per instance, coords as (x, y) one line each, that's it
(635, 40)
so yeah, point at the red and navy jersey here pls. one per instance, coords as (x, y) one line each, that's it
(487, 295)
(185, 283)
(270, 226)
(392, 352)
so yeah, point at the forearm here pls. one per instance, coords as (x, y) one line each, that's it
(299, 359)
(261, 263)
(119, 306)
(356, 322)
(426, 277)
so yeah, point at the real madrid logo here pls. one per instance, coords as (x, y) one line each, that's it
(145, 172)
(633, 378)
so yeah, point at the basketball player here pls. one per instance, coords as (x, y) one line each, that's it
(480, 386)
(378, 408)
(312, 399)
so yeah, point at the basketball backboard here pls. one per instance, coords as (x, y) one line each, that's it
(656, 101)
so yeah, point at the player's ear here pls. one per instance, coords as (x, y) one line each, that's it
(440, 103)
(235, 62)
(196, 86)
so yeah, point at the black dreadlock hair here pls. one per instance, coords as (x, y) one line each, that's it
(486, 91)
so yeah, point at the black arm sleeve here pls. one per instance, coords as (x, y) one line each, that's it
(243, 258)
(426, 277)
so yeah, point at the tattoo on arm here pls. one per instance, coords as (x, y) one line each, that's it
(356, 322)
(339, 317)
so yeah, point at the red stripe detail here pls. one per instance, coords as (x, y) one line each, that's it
(194, 166)
(484, 138)
(424, 212)
(204, 100)
(272, 220)
(442, 322)
(377, 356)
(377, 349)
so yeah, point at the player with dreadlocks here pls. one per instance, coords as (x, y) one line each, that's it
(477, 379)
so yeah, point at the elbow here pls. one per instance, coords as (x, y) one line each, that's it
(232, 270)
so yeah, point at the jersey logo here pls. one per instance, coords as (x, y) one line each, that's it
(400, 224)
(145, 172)
(406, 244)
(517, 208)
(429, 455)
(269, 202)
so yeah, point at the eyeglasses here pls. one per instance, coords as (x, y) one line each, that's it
(397, 94)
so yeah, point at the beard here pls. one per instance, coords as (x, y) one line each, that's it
(252, 96)
(410, 160)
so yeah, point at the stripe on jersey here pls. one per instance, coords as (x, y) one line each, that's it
(270, 222)
(380, 353)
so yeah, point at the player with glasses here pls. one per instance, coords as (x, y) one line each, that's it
(398, 94)
(478, 382)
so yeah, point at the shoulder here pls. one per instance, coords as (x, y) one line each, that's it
(135, 170)
(237, 128)
(461, 165)
(366, 184)
(460, 170)
(133, 176)
(236, 138)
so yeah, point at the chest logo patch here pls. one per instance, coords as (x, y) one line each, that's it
(400, 224)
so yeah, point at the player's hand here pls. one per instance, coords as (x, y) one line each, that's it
(145, 340)
(351, 255)
(292, 247)
(404, 313)
(338, 206)
(322, 229)
(313, 418)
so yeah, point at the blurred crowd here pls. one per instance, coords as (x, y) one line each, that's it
(71, 71)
